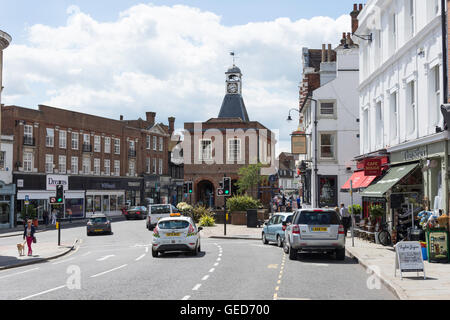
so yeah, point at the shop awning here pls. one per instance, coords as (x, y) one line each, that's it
(394, 175)
(367, 181)
(357, 178)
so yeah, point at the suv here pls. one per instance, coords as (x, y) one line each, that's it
(157, 212)
(315, 230)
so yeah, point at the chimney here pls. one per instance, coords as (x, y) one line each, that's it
(151, 117)
(354, 14)
(349, 39)
(329, 52)
(343, 39)
(121, 117)
(323, 53)
(171, 125)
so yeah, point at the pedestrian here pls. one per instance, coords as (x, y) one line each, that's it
(298, 201)
(69, 213)
(54, 213)
(345, 216)
(28, 233)
(45, 217)
(49, 216)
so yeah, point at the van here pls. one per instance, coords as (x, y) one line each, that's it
(157, 212)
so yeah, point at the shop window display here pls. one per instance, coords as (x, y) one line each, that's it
(98, 203)
(76, 205)
(4, 213)
(328, 191)
(113, 203)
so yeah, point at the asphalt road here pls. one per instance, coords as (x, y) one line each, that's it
(120, 266)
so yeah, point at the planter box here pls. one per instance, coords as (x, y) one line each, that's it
(238, 218)
(263, 214)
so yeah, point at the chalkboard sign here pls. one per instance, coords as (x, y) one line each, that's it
(409, 258)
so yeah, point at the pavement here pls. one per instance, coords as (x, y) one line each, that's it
(381, 259)
(232, 232)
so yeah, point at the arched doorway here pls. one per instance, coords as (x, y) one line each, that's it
(205, 193)
(234, 187)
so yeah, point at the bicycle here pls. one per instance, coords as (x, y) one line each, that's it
(384, 236)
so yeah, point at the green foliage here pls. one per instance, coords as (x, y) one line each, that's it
(185, 209)
(28, 212)
(355, 209)
(376, 210)
(206, 221)
(199, 211)
(249, 177)
(242, 203)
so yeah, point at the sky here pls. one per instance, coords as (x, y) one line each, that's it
(125, 57)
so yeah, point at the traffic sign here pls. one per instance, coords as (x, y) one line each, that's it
(27, 198)
(220, 192)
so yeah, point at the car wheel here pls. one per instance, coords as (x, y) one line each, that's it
(340, 254)
(154, 253)
(292, 254)
(279, 242)
(285, 247)
(264, 240)
(199, 249)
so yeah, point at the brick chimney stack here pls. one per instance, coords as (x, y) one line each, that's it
(329, 52)
(121, 117)
(151, 117)
(171, 125)
(354, 14)
(323, 53)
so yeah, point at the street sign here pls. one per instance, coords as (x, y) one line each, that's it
(27, 198)
(220, 192)
(408, 258)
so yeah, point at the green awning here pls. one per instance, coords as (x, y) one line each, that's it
(394, 175)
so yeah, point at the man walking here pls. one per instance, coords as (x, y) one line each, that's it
(345, 216)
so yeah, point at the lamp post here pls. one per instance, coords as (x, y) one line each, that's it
(315, 178)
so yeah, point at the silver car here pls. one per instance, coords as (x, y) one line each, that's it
(98, 223)
(315, 230)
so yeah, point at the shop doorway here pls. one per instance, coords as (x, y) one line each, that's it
(205, 193)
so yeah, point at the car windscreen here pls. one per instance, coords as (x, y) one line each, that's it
(288, 219)
(160, 209)
(98, 220)
(173, 224)
(318, 218)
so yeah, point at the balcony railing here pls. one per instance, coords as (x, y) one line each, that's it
(131, 153)
(87, 147)
(28, 141)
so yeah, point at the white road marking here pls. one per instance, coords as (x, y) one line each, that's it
(186, 298)
(220, 254)
(205, 277)
(218, 259)
(212, 270)
(10, 275)
(43, 292)
(63, 261)
(320, 264)
(140, 257)
(102, 273)
(197, 286)
(106, 257)
(146, 249)
(216, 264)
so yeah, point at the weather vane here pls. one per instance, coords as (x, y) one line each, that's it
(232, 54)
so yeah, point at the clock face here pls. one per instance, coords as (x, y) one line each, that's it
(232, 88)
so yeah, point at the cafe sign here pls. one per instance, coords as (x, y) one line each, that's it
(372, 167)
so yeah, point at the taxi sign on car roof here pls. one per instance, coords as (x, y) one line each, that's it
(174, 214)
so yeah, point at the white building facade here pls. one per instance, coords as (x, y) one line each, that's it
(335, 141)
(401, 92)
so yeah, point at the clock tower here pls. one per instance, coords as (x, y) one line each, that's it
(233, 105)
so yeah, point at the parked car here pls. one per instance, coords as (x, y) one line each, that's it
(157, 212)
(136, 212)
(274, 229)
(176, 233)
(315, 230)
(98, 223)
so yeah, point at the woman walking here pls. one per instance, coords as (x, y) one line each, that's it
(28, 233)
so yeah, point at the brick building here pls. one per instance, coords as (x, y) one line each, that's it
(220, 146)
(103, 163)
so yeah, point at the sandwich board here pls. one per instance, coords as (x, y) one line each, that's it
(408, 258)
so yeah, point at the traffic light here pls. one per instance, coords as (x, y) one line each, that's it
(190, 186)
(227, 186)
(59, 193)
(185, 187)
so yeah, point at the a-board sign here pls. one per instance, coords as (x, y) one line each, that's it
(408, 257)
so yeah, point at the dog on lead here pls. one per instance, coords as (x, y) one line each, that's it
(21, 248)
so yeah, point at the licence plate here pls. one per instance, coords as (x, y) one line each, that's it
(322, 229)
(173, 234)
(98, 230)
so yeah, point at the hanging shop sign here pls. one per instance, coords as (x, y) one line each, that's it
(298, 144)
(408, 258)
(372, 167)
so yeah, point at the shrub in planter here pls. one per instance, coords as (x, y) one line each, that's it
(242, 203)
(207, 221)
(185, 209)
(200, 211)
(376, 211)
(28, 212)
(355, 209)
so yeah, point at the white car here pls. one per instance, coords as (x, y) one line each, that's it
(157, 212)
(176, 233)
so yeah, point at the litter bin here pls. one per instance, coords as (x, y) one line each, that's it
(252, 218)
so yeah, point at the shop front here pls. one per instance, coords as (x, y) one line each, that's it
(7, 195)
(152, 189)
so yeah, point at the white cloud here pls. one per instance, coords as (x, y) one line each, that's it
(170, 60)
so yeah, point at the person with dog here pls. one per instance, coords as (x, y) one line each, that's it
(28, 233)
(345, 216)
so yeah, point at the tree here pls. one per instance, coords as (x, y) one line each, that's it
(249, 178)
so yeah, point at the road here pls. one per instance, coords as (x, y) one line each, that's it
(120, 266)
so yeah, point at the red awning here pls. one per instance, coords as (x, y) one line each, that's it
(359, 181)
